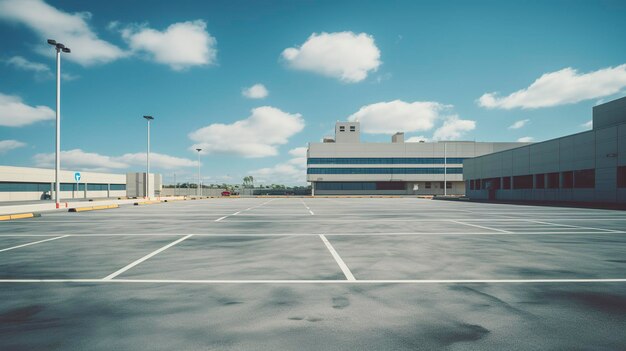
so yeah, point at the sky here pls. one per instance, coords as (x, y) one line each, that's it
(252, 82)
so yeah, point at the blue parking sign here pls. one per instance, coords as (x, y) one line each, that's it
(77, 177)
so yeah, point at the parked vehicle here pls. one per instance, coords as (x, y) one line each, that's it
(225, 193)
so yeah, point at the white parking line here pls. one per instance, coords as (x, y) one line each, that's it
(219, 219)
(311, 212)
(118, 272)
(483, 227)
(33, 243)
(342, 265)
(446, 233)
(573, 226)
(270, 281)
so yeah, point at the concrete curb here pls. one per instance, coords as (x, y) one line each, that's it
(92, 208)
(146, 203)
(19, 216)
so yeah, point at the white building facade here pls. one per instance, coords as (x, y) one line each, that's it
(584, 167)
(345, 166)
(27, 184)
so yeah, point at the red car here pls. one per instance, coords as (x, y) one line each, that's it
(225, 193)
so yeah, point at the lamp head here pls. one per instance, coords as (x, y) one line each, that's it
(60, 46)
(149, 118)
(52, 42)
(66, 50)
(198, 150)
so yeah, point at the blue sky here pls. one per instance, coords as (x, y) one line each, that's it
(435, 70)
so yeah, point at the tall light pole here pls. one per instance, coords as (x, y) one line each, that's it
(57, 168)
(199, 191)
(148, 118)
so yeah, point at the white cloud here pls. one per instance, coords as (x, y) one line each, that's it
(398, 116)
(588, 124)
(41, 70)
(525, 139)
(70, 29)
(453, 128)
(26, 65)
(519, 124)
(79, 159)
(15, 113)
(562, 87)
(417, 139)
(257, 91)
(256, 136)
(181, 45)
(157, 160)
(7, 145)
(90, 161)
(343, 55)
(291, 172)
(298, 152)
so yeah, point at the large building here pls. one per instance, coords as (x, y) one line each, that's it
(584, 167)
(25, 184)
(345, 165)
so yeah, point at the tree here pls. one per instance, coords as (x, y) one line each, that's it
(248, 182)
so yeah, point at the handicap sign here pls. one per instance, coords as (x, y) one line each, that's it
(77, 177)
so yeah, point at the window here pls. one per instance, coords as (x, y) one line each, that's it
(390, 186)
(448, 185)
(24, 187)
(523, 182)
(471, 184)
(384, 170)
(506, 183)
(621, 177)
(540, 181)
(353, 128)
(118, 186)
(429, 185)
(96, 187)
(382, 160)
(342, 128)
(585, 178)
(360, 185)
(553, 180)
(492, 183)
(568, 179)
(478, 184)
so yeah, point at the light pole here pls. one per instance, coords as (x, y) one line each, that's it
(57, 168)
(199, 191)
(148, 118)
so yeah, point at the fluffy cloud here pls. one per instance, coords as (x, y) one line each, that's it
(343, 55)
(525, 139)
(181, 45)
(566, 86)
(90, 161)
(417, 139)
(453, 128)
(41, 70)
(70, 29)
(78, 159)
(26, 65)
(588, 124)
(7, 145)
(398, 116)
(257, 91)
(156, 160)
(519, 124)
(290, 172)
(15, 113)
(256, 136)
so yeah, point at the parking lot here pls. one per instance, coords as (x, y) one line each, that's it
(315, 273)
